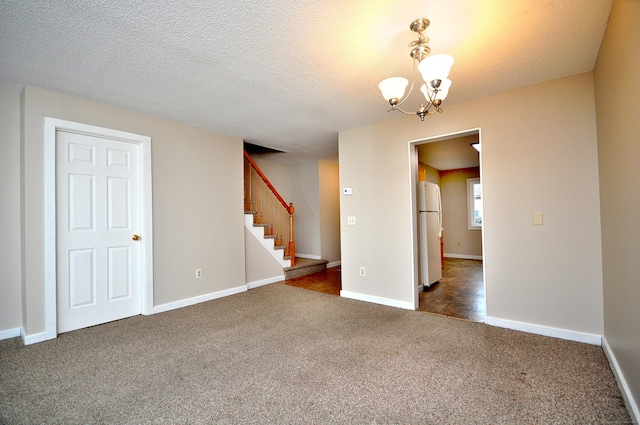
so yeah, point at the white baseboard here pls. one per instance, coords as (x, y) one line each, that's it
(308, 256)
(545, 330)
(199, 299)
(377, 300)
(266, 281)
(463, 256)
(632, 406)
(333, 264)
(9, 333)
(33, 338)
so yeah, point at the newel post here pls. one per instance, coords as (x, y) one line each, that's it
(292, 244)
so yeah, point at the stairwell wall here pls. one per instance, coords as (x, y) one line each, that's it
(313, 187)
(306, 199)
(260, 266)
(329, 183)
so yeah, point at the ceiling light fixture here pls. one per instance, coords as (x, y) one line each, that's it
(476, 146)
(434, 70)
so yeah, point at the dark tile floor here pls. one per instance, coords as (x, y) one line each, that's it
(460, 292)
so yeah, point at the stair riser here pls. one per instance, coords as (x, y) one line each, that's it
(304, 271)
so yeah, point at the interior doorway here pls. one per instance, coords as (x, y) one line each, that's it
(452, 163)
(127, 278)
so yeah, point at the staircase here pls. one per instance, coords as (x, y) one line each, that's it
(269, 242)
(270, 218)
(269, 210)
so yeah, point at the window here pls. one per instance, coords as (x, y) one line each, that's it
(474, 203)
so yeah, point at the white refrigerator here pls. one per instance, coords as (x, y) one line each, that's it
(430, 232)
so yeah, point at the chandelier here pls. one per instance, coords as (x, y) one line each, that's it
(434, 70)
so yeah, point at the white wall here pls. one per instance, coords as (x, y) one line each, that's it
(10, 258)
(617, 93)
(539, 155)
(197, 201)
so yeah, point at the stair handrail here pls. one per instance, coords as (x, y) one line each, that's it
(288, 207)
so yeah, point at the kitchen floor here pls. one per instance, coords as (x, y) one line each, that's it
(460, 292)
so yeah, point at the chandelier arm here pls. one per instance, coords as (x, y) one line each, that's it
(395, 108)
(432, 95)
(413, 80)
(429, 110)
(433, 101)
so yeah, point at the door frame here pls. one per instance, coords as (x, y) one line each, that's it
(413, 181)
(51, 126)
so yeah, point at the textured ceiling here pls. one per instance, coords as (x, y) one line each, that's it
(450, 154)
(288, 74)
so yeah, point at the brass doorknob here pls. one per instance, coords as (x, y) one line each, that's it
(136, 238)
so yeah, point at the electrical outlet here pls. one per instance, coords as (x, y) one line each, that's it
(198, 273)
(351, 220)
(363, 272)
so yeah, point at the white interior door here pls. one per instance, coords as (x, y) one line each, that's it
(98, 214)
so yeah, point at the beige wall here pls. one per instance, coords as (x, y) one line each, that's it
(10, 258)
(433, 175)
(306, 199)
(459, 241)
(260, 264)
(197, 199)
(617, 95)
(329, 191)
(539, 155)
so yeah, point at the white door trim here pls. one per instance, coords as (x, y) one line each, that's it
(51, 126)
(413, 200)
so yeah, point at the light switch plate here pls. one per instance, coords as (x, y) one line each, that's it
(351, 220)
(537, 219)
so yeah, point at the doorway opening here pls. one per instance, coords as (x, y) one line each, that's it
(451, 166)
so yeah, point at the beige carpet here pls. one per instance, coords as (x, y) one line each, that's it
(284, 355)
